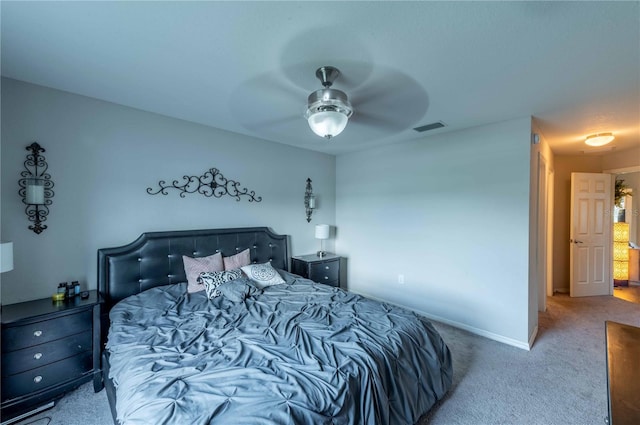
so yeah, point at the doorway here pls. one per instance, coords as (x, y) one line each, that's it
(590, 234)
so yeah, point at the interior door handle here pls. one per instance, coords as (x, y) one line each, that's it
(575, 241)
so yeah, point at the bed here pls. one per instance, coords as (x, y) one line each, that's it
(295, 353)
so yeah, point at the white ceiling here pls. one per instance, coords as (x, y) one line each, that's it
(247, 67)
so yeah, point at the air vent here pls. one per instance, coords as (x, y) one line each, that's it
(432, 126)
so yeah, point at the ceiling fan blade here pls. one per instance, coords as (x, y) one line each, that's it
(267, 101)
(391, 102)
(274, 124)
(380, 122)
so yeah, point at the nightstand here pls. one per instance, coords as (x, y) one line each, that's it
(323, 270)
(48, 349)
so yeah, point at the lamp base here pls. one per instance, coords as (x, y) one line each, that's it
(620, 282)
(322, 254)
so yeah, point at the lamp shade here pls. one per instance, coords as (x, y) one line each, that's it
(620, 251)
(621, 232)
(322, 231)
(6, 256)
(327, 124)
(620, 270)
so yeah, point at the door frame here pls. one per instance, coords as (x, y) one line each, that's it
(544, 228)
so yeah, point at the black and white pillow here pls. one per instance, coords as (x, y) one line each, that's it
(263, 275)
(211, 280)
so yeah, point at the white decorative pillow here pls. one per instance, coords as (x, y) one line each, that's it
(211, 280)
(262, 275)
(194, 266)
(233, 262)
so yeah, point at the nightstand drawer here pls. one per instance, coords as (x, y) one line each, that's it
(322, 270)
(44, 377)
(18, 361)
(18, 337)
(325, 272)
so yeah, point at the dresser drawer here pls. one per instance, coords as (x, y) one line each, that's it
(28, 335)
(43, 377)
(325, 272)
(18, 361)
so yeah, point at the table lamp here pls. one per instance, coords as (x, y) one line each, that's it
(322, 233)
(6, 256)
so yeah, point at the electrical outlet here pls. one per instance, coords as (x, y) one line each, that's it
(401, 279)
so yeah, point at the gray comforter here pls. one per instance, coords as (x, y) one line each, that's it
(300, 353)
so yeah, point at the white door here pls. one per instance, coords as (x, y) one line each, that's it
(590, 238)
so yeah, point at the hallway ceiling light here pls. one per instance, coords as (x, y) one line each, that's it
(599, 139)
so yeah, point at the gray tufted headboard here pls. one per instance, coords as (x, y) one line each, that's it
(155, 258)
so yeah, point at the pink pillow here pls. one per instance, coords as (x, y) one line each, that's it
(241, 259)
(194, 266)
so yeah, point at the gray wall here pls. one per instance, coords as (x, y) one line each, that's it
(103, 156)
(450, 212)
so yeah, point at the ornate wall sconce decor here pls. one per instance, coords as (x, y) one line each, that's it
(36, 187)
(211, 183)
(309, 200)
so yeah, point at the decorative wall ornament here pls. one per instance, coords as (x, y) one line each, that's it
(309, 200)
(36, 188)
(211, 183)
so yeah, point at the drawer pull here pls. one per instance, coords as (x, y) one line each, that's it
(37, 333)
(37, 379)
(326, 267)
(326, 278)
(37, 356)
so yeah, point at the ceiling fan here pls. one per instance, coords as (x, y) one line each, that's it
(381, 102)
(328, 110)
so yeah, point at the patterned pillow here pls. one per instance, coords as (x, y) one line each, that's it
(194, 266)
(211, 280)
(236, 261)
(263, 275)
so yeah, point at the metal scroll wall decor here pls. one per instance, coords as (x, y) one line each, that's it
(309, 200)
(211, 183)
(36, 187)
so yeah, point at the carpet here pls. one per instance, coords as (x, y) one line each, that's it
(562, 380)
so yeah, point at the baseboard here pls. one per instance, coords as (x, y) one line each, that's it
(481, 332)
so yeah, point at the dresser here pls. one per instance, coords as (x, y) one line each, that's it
(623, 350)
(323, 270)
(48, 349)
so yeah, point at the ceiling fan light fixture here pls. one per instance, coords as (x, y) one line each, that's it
(327, 124)
(599, 139)
(328, 110)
